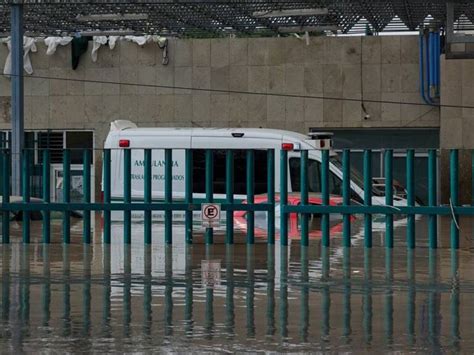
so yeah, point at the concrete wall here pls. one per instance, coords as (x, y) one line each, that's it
(374, 68)
(457, 124)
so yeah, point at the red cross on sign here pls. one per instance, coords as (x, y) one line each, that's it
(211, 214)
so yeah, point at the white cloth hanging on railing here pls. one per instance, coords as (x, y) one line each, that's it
(53, 42)
(113, 41)
(29, 45)
(97, 41)
(142, 40)
(161, 41)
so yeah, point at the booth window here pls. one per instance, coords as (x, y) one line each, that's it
(77, 142)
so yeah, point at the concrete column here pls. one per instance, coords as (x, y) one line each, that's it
(17, 100)
(457, 124)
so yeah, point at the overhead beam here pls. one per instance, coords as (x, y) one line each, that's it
(111, 17)
(291, 12)
(298, 29)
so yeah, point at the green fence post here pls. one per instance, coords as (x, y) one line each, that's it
(346, 196)
(127, 196)
(283, 197)
(209, 190)
(168, 196)
(147, 196)
(229, 190)
(368, 197)
(250, 196)
(46, 195)
(6, 198)
(3, 177)
(325, 197)
(472, 177)
(388, 197)
(304, 196)
(453, 180)
(26, 173)
(410, 197)
(66, 196)
(271, 196)
(106, 189)
(432, 199)
(86, 230)
(2, 157)
(189, 195)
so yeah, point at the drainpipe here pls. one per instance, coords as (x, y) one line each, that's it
(422, 68)
(438, 62)
(431, 57)
(427, 67)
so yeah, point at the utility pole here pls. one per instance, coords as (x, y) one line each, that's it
(17, 99)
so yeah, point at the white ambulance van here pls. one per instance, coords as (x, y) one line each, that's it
(126, 135)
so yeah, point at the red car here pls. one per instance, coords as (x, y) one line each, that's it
(294, 230)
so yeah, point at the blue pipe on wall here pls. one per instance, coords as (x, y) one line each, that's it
(435, 61)
(429, 67)
(438, 62)
(422, 68)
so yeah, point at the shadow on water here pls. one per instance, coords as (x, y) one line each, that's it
(235, 298)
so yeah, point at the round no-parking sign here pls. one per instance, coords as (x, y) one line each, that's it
(211, 214)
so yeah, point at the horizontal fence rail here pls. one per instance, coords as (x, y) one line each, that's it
(277, 194)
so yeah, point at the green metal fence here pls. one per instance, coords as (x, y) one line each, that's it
(433, 210)
(127, 206)
(188, 204)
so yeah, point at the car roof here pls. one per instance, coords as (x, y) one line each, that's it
(295, 197)
(129, 128)
(215, 132)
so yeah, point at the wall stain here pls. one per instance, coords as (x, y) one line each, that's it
(5, 109)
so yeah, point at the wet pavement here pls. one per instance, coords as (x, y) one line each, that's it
(236, 298)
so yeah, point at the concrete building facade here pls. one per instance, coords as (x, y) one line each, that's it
(317, 76)
(287, 83)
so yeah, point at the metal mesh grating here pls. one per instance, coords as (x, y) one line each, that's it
(215, 18)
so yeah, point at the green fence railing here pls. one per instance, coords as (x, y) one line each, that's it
(188, 203)
(368, 209)
(145, 203)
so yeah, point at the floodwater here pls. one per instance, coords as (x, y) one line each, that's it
(236, 298)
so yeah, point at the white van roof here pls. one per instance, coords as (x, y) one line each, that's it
(132, 129)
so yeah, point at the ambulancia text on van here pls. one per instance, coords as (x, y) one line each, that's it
(126, 135)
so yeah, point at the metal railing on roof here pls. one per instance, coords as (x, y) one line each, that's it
(215, 18)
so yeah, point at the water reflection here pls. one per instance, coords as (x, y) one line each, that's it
(251, 297)
(66, 283)
(106, 292)
(347, 330)
(271, 328)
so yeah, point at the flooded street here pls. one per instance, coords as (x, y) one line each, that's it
(236, 298)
